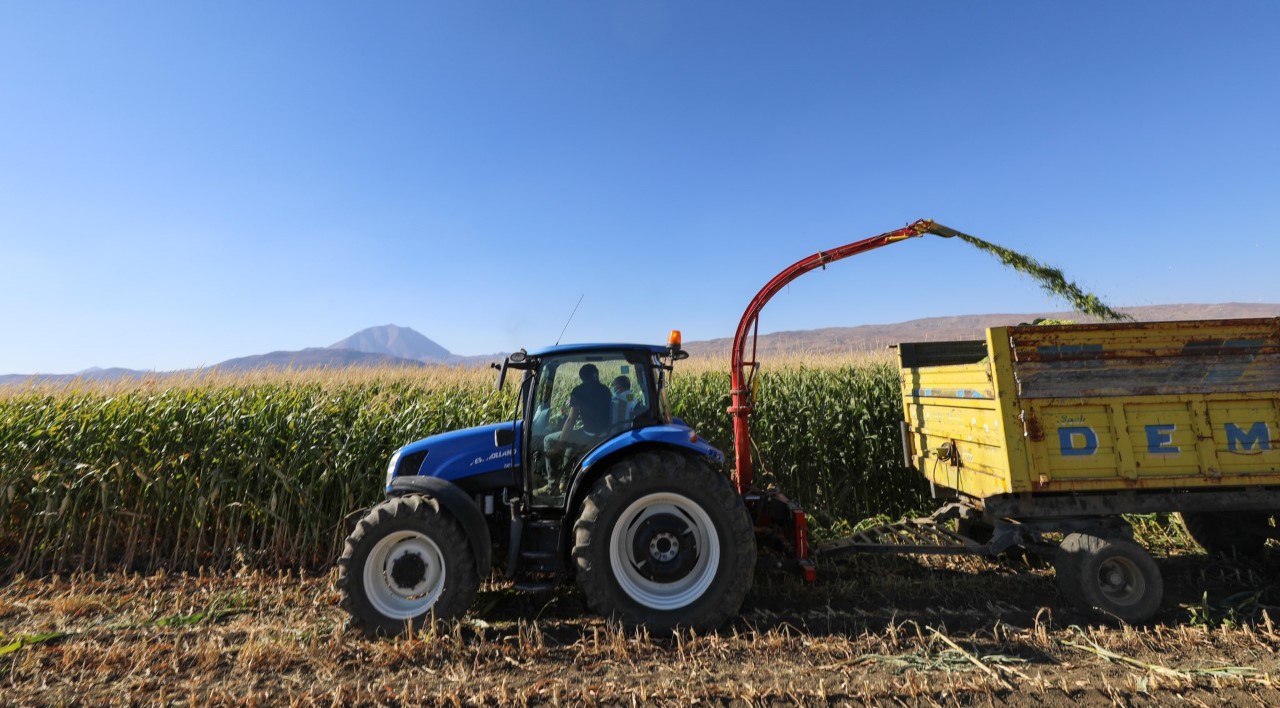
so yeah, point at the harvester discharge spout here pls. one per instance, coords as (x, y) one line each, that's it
(744, 364)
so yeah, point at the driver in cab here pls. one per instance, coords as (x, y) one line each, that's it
(589, 404)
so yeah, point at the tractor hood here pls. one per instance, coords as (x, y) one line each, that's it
(460, 454)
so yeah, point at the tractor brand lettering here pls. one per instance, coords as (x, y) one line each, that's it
(505, 452)
(1080, 440)
(1240, 441)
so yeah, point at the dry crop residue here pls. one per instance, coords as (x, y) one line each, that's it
(879, 631)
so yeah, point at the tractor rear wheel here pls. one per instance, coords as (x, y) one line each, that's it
(406, 563)
(664, 541)
(1236, 533)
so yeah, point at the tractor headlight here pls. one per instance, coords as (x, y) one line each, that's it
(391, 467)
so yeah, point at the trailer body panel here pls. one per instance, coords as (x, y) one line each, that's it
(1097, 408)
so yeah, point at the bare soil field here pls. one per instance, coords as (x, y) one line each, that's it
(874, 630)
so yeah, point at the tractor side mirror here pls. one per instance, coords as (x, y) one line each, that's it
(515, 360)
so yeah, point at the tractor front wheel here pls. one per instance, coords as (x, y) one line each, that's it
(664, 541)
(406, 563)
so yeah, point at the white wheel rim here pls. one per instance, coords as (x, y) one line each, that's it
(404, 575)
(654, 538)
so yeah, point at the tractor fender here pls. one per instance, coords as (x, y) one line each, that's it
(597, 461)
(680, 437)
(459, 504)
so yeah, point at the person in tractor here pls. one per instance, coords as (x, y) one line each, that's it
(624, 401)
(587, 421)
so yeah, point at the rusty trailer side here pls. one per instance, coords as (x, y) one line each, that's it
(1069, 409)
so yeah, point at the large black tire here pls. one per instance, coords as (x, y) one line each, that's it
(1230, 533)
(664, 541)
(1111, 578)
(406, 563)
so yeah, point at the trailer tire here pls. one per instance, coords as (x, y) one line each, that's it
(1111, 578)
(664, 541)
(406, 564)
(1236, 533)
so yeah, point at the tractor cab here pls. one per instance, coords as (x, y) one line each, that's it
(581, 401)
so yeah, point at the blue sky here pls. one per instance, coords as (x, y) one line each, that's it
(182, 183)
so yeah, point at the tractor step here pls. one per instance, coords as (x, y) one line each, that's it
(536, 550)
(539, 561)
(535, 585)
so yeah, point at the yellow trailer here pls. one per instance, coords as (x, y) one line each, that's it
(1063, 428)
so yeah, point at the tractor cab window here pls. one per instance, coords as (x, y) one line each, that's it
(581, 401)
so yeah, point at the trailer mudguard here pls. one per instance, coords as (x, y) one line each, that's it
(458, 503)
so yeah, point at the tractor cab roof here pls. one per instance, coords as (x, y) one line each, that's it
(580, 348)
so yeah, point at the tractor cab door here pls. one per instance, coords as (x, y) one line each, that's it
(580, 400)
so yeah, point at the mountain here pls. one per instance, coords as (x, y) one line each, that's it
(395, 341)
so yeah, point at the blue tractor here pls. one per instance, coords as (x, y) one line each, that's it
(593, 481)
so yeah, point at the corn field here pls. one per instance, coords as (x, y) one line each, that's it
(259, 471)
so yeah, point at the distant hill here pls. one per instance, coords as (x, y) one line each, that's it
(312, 358)
(392, 340)
(390, 345)
(845, 340)
(93, 374)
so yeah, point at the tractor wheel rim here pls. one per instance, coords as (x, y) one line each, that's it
(1121, 581)
(404, 575)
(664, 551)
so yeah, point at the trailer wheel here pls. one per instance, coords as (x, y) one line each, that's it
(1237, 533)
(1109, 577)
(663, 541)
(406, 563)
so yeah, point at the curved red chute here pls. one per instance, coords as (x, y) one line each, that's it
(741, 379)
